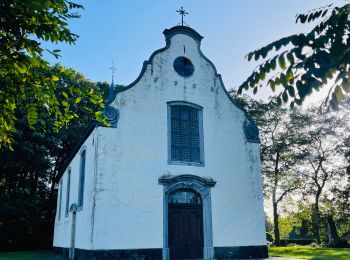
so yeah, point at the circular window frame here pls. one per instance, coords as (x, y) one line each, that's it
(183, 66)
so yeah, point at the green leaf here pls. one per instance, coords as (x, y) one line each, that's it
(310, 18)
(277, 81)
(290, 76)
(273, 63)
(283, 79)
(77, 100)
(262, 74)
(302, 18)
(282, 62)
(285, 97)
(264, 52)
(298, 101)
(267, 67)
(345, 85)
(339, 94)
(279, 101)
(290, 58)
(257, 55)
(55, 78)
(98, 113)
(65, 94)
(291, 91)
(20, 67)
(291, 105)
(249, 56)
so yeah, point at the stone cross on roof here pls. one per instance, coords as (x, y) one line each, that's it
(113, 69)
(182, 12)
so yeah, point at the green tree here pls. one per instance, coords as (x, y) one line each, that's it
(27, 194)
(280, 159)
(27, 81)
(279, 156)
(303, 63)
(298, 218)
(336, 204)
(324, 164)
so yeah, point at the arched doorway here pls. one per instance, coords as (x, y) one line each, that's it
(185, 224)
(196, 196)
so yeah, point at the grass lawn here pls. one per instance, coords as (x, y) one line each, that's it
(29, 255)
(310, 252)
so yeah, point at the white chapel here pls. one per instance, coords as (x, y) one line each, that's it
(177, 173)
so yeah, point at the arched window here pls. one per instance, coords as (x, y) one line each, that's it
(185, 122)
(81, 179)
(185, 197)
(60, 199)
(68, 191)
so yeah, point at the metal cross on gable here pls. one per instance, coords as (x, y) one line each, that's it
(182, 12)
(113, 69)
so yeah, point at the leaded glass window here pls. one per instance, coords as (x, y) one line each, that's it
(68, 192)
(81, 179)
(185, 134)
(185, 197)
(60, 199)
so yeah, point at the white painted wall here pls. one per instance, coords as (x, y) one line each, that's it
(123, 200)
(131, 158)
(62, 231)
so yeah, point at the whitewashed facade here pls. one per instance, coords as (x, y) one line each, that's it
(130, 174)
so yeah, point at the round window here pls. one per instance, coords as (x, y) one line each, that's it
(183, 66)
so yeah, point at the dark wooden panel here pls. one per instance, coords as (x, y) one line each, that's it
(185, 231)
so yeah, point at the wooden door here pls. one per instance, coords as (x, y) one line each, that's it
(185, 226)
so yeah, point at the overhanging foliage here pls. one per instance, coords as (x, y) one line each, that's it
(308, 61)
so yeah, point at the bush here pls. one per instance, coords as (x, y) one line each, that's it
(315, 245)
(299, 242)
(340, 244)
(270, 237)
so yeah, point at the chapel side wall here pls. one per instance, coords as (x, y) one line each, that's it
(62, 229)
(128, 212)
(132, 157)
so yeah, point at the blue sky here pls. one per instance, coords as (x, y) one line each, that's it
(129, 31)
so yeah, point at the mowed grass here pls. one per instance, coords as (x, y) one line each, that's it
(29, 255)
(310, 252)
(291, 251)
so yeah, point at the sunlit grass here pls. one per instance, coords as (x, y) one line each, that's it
(310, 252)
(291, 251)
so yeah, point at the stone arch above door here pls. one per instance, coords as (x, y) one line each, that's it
(202, 187)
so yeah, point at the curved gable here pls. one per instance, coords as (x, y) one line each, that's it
(172, 38)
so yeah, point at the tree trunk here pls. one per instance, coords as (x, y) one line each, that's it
(333, 231)
(275, 203)
(276, 228)
(316, 218)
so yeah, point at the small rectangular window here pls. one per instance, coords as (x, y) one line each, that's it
(186, 134)
(68, 192)
(59, 199)
(81, 179)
